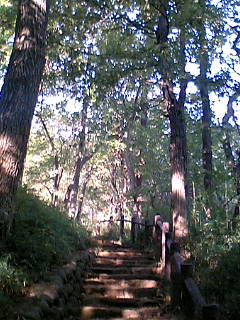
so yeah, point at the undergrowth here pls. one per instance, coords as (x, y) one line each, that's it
(42, 237)
(216, 250)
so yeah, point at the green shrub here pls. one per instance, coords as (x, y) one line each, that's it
(217, 259)
(12, 279)
(42, 237)
(111, 233)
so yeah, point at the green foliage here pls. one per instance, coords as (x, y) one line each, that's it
(8, 16)
(42, 237)
(216, 250)
(12, 279)
(111, 232)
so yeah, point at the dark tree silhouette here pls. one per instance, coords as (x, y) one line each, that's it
(162, 29)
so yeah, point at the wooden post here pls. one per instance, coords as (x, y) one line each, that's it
(98, 229)
(210, 312)
(187, 304)
(187, 270)
(165, 229)
(157, 237)
(175, 247)
(146, 230)
(176, 278)
(122, 226)
(133, 229)
(168, 239)
(157, 220)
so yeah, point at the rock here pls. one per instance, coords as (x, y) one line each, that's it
(77, 289)
(68, 289)
(61, 302)
(43, 304)
(33, 313)
(62, 275)
(79, 273)
(47, 299)
(54, 314)
(69, 270)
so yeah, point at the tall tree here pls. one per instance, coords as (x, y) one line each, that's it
(178, 145)
(58, 169)
(82, 156)
(233, 158)
(18, 100)
(206, 108)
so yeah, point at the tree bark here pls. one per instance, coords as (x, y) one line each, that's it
(206, 136)
(18, 100)
(83, 192)
(71, 195)
(233, 162)
(134, 174)
(82, 157)
(58, 170)
(178, 159)
(178, 146)
(115, 198)
(206, 108)
(135, 178)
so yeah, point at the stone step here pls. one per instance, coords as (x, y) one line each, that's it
(117, 248)
(118, 292)
(119, 262)
(91, 300)
(167, 317)
(124, 284)
(118, 283)
(124, 270)
(124, 255)
(125, 276)
(101, 312)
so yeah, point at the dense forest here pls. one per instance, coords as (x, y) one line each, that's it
(113, 108)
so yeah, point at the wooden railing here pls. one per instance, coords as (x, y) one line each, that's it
(185, 292)
(136, 226)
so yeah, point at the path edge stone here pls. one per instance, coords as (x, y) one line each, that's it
(48, 299)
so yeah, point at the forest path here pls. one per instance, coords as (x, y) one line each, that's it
(123, 284)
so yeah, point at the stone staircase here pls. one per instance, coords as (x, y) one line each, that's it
(124, 284)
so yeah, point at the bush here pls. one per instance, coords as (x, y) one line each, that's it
(217, 259)
(42, 237)
(111, 233)
(12, 279)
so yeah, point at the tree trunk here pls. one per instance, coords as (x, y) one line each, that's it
(178, 144)
(83, 192)
(57, 180)
(134, 177)
(233, 163)
(115, 198)
(178, 157)
(134, 174)
(58, 170)
(178, 171)
(18, 100)
(206, 136)
(206, 108)
(71, 195)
